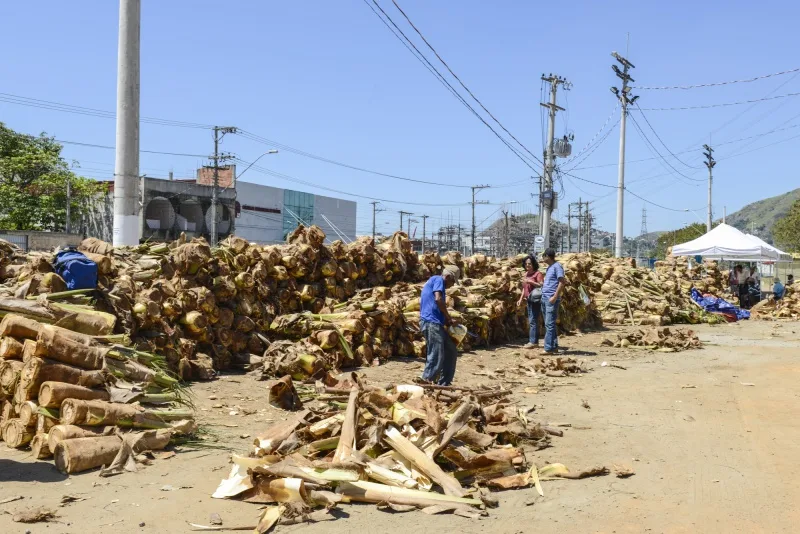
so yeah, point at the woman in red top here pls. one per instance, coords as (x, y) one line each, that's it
(532, 294)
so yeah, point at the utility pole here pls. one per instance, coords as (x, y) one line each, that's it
(710, 163)
(472, 237)
(68, 225)
(126, 160)
(625, 98)
(569, 228)
(505, 233)
(580, 225)
(588, 229)
(550, 160)
(424, 220)
(401, 218)
(219, 133)
(374, 211)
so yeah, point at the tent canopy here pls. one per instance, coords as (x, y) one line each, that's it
(724, 242)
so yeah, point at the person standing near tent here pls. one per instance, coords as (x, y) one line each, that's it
(440, 362)
(789, 280)
(734, 280)
(552, 288)
(778, 290)
(532, 295)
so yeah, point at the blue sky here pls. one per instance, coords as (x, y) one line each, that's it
(328, 77)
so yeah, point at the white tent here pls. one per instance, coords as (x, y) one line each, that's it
(725, 242)
(781, 255)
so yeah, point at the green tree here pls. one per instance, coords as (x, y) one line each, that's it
(676, 237)
(786, 230)
(33, 184)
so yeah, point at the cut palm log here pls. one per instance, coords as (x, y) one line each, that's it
(375, 493)
(421, 461)
(59, 433)
(82, 454)
(19, 327)
(65, 350)
(28, 413)
(36, 371)
(10, 349)
(10, 371)
(52, 394)
(15, 434)
(97, 413)
(39, 447)
(44, 423)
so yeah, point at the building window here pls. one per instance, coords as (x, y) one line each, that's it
(297, 208)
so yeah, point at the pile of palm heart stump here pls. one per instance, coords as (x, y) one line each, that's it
(305, 307)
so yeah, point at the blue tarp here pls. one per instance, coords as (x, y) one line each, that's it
(714, 304)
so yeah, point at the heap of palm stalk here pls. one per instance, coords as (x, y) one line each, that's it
(786, 308)
(404, 447)
(305, 306)
(69, 395)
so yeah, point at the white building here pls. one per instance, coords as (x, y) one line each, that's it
(266, 214)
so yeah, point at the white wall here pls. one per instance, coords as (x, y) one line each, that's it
(267, 228)
(257, 226)
(342, 213)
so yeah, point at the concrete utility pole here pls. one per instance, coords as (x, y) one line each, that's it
(401, 218)
(472, 237)
(219, 133)
(550, 159)
(126, 161)
(710, 163)
(580, 225)
(569, 228)
(424, 232)
(625, 98)
(505, 233)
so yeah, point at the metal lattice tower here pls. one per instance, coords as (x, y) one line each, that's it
(644, 221)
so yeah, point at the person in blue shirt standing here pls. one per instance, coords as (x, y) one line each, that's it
(552, 288)
(440, 364)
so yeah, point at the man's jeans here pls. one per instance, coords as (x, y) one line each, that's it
(442, 354)
(550, 313)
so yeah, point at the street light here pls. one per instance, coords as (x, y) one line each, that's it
(273, 151)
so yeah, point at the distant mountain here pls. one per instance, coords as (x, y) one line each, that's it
(757, 218)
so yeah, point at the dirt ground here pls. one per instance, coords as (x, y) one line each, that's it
(712, 434)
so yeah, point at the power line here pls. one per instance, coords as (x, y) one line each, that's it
(603, 127)
(652, 147)
(659, 138)
(440, 77)
(254, 137)
(714, 84)
(92, 112)
(147, 151)
(708, 106)
(462, 83)
(311, 184)
(595, 147)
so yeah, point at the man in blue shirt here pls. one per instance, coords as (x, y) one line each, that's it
(552, 288)
(778, 290)
(433, 322)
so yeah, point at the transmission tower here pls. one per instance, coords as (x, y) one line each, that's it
(644, 222)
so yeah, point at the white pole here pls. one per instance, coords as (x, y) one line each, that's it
(126, 165)
(621, 181)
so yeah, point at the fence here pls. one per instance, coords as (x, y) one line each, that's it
(20, 240)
